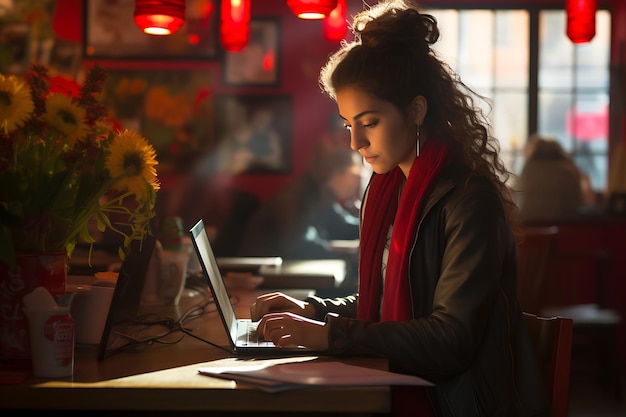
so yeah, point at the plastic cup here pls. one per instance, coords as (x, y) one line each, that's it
(52, 342)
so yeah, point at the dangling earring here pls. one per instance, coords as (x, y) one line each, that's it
(417, 142)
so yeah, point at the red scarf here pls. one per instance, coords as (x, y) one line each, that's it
(379, 213)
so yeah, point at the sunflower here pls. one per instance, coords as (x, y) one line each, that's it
(131, 163)
(16, 104)
(62, 166)
(66, 117)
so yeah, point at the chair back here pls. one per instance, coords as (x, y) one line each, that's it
(534, 247)
(552, 339)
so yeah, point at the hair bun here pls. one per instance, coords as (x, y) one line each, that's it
(395, 24)
(432, 30)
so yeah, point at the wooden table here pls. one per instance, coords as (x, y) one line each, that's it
(164, 378)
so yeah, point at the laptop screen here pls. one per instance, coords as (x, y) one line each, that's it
(216, 283)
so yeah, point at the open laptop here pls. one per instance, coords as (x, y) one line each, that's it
(127, 296)
(241, 332)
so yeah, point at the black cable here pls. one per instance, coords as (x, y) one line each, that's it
(188, 332)
(171, 326)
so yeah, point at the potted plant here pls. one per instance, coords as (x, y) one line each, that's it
(63, 164)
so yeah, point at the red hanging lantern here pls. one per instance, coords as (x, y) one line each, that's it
(335, 24)
(312, 9)
(198, 21)
(64, 20)
(235, 24)
(581, 20)
(159, 17)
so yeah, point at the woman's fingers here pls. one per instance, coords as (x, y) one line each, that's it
(275, 302)
(263, 305)
(277, 332)
(287, 329)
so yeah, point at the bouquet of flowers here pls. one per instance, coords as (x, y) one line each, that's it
(62, 164)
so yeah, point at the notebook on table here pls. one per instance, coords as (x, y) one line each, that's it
(241, 332)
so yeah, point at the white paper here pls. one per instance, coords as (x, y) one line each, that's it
(274, 375)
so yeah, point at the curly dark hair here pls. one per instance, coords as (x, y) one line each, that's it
(391, 59)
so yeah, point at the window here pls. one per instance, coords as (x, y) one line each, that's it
(536, 79)
(573, 92)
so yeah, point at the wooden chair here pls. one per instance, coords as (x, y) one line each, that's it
(552, 339)
(596, 326)
(548, 291)
(534, 248)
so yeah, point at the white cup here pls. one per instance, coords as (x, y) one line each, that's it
(172, 276)
(90, 310)
(51, 341)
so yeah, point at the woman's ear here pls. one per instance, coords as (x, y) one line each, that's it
(419, 107)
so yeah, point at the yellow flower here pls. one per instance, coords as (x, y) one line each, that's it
(57, 160)
(16, 104)
(66, 117)
(132, 164)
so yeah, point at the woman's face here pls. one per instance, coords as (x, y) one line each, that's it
(383, 136)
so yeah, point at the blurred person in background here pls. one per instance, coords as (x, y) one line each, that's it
(550, 185)
(301, 219)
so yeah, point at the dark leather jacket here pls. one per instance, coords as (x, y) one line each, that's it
(467, 335)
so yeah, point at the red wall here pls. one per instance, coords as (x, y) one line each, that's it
(303, 50)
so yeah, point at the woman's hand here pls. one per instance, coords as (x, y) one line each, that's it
(278, 302)
(290, 329)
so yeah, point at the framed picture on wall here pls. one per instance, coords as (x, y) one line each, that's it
(252, 133)
(258, 63)
(15, 41)
(172, 109)
(26, 36)
(110, 32)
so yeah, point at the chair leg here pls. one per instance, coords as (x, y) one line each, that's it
(608, 360)
(603, 342)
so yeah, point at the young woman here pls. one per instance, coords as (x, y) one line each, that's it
(437, 268)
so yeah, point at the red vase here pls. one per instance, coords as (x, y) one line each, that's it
(48, 270)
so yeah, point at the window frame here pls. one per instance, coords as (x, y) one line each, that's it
(534, 9)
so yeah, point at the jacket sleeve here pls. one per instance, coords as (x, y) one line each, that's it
(461, 248)
(342, 306)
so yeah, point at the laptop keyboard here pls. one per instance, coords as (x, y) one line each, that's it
(253, 337)
(250, 337)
